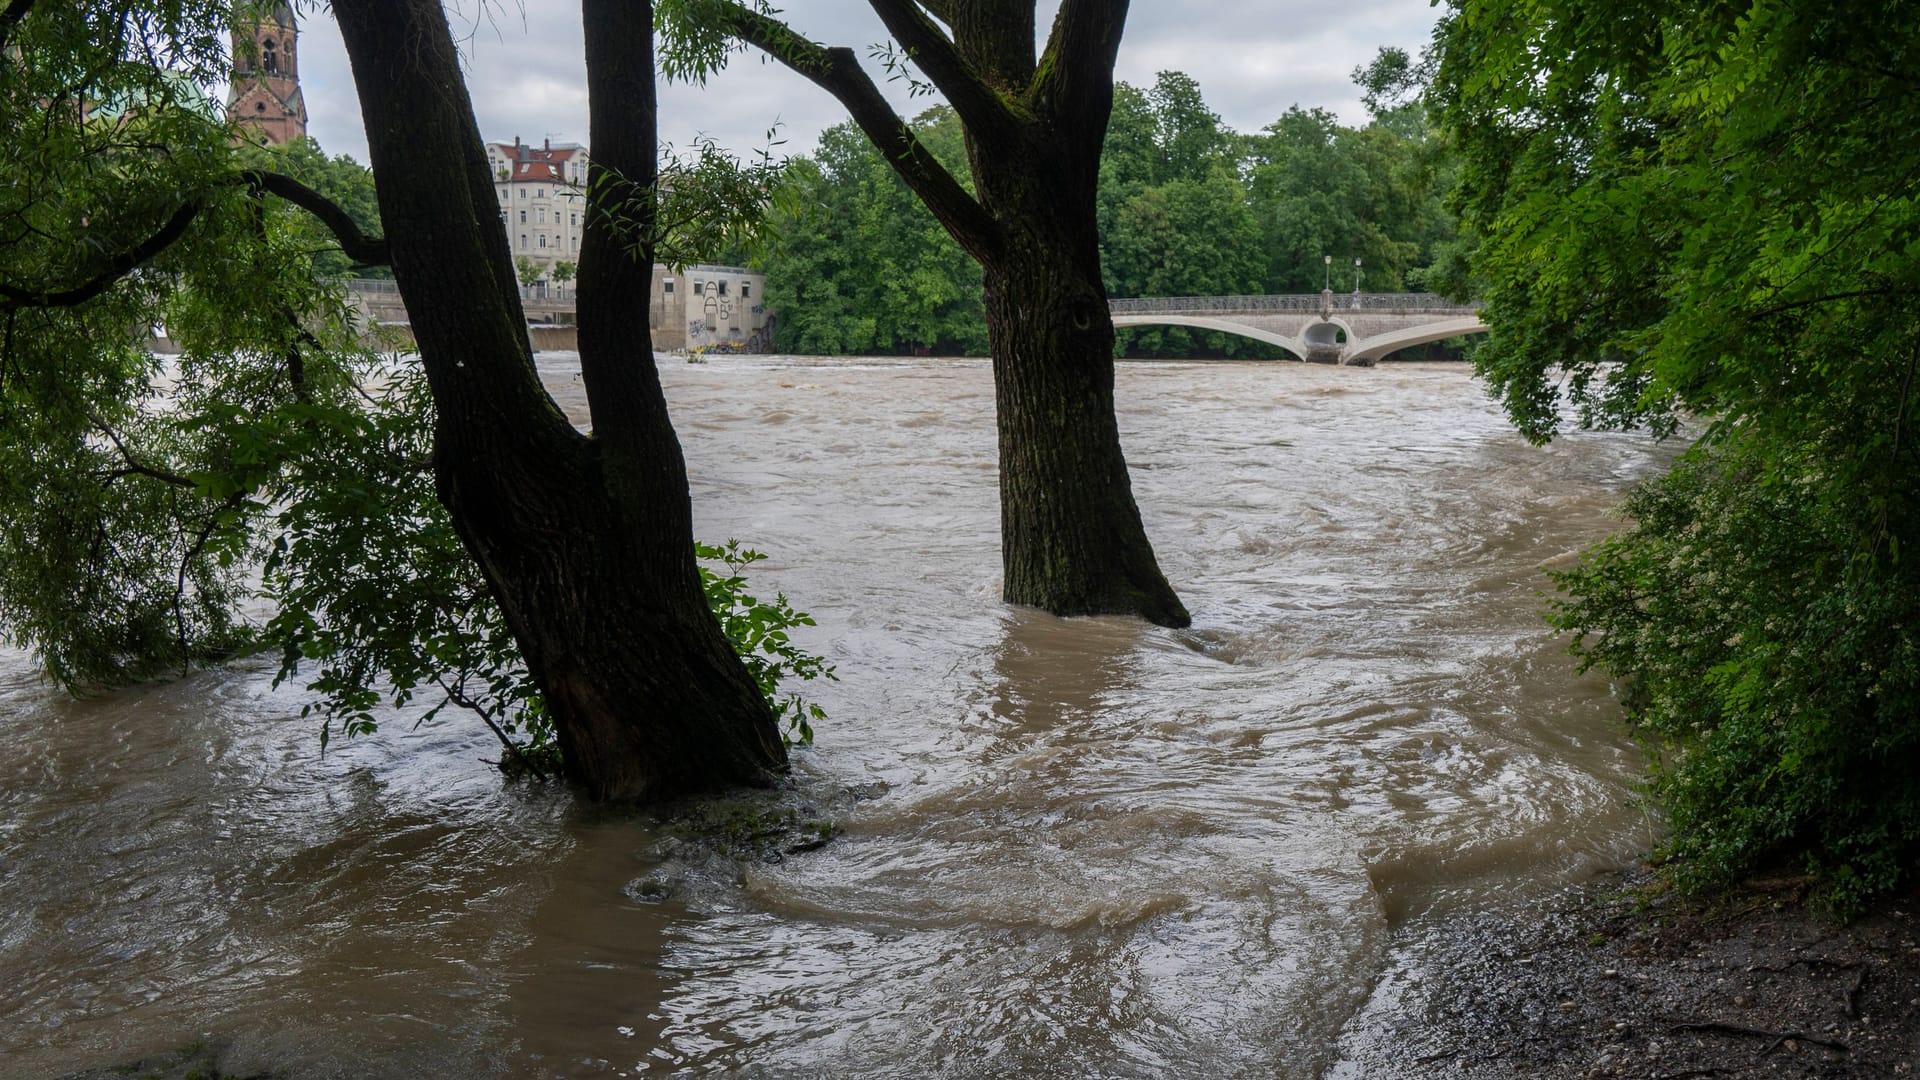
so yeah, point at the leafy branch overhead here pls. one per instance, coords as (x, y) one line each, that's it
(1706, 219)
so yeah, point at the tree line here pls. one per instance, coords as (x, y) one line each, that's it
(1185, 207)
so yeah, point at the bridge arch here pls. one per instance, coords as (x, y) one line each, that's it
(1372, 349)
(1328, 337)
(1200, 322)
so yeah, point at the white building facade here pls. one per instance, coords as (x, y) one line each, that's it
(543, 200)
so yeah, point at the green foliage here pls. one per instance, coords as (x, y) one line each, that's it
(1174, 216)
(133, 489)
(1684, 210)
(1186, 208)
(527, 270)
(712, 204)
(377, 598)
(1371, 193)
(705, 205)
(862, 267)
(344, 181)
(758, 631)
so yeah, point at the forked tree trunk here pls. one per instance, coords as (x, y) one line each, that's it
(1071, 536)
(585, 542)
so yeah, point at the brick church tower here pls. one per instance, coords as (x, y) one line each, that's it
(264, 96)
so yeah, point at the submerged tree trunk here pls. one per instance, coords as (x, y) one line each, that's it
(1072, 541)
(1071, 534)
(585, 542)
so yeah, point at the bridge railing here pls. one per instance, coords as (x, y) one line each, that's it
(1156, 305)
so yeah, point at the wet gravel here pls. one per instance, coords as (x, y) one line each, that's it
(1615, 980)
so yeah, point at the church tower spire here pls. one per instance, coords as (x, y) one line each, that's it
(264, 95)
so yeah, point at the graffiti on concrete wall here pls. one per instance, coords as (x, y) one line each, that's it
(712, 326)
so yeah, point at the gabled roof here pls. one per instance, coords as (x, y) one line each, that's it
(543, 164)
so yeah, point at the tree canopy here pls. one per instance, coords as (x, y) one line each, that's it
(1185, 207)
(1702, 218)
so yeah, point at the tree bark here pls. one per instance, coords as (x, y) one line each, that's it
(1072, 541)
(585, 542)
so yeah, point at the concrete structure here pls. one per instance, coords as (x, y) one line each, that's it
(264, 95)
(700, 308)
(710, 307)
(543, 199)
(1332, 329)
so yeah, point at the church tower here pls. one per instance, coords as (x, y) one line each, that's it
(264, 96)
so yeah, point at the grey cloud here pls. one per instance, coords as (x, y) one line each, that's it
(1253, 61)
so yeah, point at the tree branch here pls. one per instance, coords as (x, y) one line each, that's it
(200, 542)
(1075, 75)
(13, 297)
(838, 72)
(364, 250)
(980, 108)
(135, 467)
(10, 17)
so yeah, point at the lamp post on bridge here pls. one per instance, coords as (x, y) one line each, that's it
(1326, 291)
(1356, 283)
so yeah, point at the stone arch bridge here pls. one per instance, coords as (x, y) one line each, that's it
(1349, 328)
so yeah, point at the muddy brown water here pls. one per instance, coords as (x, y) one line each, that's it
(1098, 848)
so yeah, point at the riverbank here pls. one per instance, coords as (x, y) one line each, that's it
(1615, 979)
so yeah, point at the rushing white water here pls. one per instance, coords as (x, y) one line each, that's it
(1080, 847)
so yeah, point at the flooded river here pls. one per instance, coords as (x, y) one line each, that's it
(1067, 848)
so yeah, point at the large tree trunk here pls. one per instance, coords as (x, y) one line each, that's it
(585, 542)
(1071, 537)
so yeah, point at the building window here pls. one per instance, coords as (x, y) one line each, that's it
(543, 239)
(503, 217)
(542, 212)
(698, 288)
(523, 241)
(573, 218)
(723, 288)
(746, 290)
(523, 193)
(269, 56)
(523, 217)
(539, 193)
(666, 286)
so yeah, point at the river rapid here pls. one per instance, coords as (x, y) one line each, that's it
(1066, 848)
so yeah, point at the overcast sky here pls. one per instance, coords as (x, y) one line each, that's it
(1252, 58)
